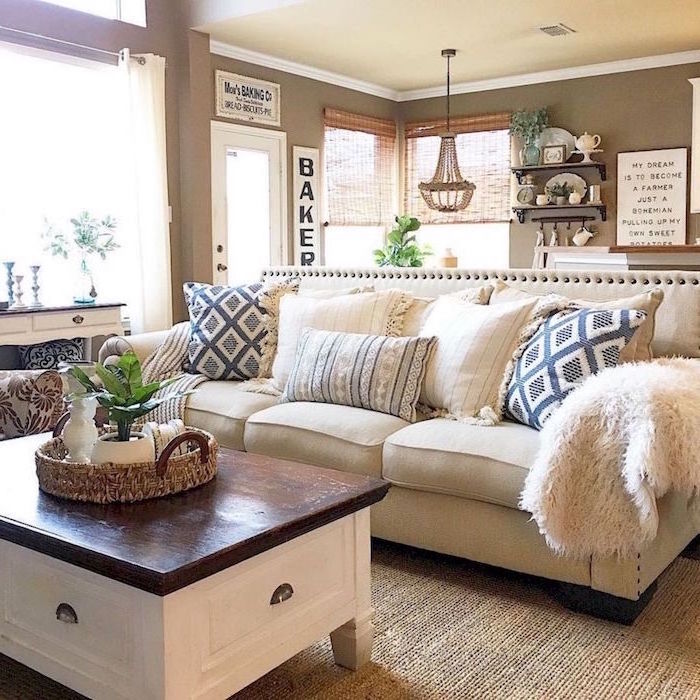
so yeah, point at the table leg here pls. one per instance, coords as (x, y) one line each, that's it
(352, 642)
(87, 349)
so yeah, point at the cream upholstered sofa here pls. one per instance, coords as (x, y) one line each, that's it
(456, 486)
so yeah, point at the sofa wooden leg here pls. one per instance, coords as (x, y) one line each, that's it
(608, 607)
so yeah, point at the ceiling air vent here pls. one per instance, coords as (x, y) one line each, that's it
(560, 29)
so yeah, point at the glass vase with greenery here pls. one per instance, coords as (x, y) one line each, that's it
(90, 237)
(401, 249)
(528, 126)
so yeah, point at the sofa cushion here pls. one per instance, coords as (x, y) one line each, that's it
(639, 348)
(569, 347)
(367, 371)
(222, 408)
(484, 463)
(375, 313)
(327, 435)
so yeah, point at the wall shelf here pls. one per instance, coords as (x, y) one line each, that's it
(523, 170)
(602, 210)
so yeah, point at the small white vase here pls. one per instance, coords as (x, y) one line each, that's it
(108, 449)
(80, 432)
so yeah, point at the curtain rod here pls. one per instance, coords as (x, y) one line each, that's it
(33, 35)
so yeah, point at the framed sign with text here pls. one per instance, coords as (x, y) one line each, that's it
(250, 99)
(307, 211)
(652, 197)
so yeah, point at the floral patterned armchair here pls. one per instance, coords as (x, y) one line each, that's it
(31, 401)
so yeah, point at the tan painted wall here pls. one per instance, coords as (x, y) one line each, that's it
(631, 111)
(302, 103)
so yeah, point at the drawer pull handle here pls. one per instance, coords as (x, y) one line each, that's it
(78, 319)
(66, 613)
(283, 592)
(221, 267)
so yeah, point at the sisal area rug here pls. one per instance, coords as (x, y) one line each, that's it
(450, 629)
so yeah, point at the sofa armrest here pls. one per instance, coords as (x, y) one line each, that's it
(141, 344)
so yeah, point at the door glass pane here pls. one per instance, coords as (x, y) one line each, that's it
(248, 214)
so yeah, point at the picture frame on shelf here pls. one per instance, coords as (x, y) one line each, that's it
(554, 154)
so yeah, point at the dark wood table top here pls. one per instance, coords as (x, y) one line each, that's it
(255, 503)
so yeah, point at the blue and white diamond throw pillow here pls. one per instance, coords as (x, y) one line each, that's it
(568, 347)
(228, 330)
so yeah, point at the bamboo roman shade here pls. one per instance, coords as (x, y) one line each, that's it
(483, 150)
(360, 169)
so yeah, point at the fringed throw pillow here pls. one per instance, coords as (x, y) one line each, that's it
(378, 373)
(568, 347)
(234, 329)
(372, 313)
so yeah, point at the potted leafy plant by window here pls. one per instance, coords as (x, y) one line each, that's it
(126, 399)
(401, 249)
(90, 237)
(528, 126)
(560, 192)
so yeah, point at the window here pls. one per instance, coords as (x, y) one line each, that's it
(131, 11)
(68, 153)
(479, 234)
(360, 179)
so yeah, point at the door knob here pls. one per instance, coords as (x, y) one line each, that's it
(219, 248)
(221, 267)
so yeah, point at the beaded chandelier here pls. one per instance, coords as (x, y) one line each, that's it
(448, 191)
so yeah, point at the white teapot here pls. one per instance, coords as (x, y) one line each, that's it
(587, 142)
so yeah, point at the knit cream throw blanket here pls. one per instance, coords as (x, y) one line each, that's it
(617, 444)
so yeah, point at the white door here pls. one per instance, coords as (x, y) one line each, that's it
(249, 197)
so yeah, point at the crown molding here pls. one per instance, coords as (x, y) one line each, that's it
(550, 76)
(260, 59)
(594, 69)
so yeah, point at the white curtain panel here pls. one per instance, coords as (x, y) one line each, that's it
(150, 297)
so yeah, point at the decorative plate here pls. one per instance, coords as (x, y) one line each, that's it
(576, 182)
(554, 136)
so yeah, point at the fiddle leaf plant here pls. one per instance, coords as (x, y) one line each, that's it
(123, 392)
(401, 249)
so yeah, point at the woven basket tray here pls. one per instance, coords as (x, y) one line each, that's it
(128, 483)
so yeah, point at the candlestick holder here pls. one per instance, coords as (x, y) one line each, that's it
(10, 292)
(19, 293)
(35, 286)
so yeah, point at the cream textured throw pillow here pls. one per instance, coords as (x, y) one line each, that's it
(373, 313)
(421, 307)
(475, 345)
(366, 371)
(639, 348)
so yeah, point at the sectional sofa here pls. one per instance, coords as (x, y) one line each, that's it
(456, 486)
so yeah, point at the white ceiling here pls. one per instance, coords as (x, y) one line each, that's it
(396, 43)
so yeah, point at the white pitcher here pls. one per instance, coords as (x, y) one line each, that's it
(587, 142)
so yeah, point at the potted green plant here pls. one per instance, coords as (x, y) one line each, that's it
(126, 399)
(528, 126)
(90, 236)
(401, 249)
(560, 193)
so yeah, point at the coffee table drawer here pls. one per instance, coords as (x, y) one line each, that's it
(65, 616)
(301, 580)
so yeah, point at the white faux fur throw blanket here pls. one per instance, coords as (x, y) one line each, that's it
(617, 444)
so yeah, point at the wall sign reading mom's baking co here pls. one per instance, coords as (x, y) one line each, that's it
(651, 197)
(249, 99)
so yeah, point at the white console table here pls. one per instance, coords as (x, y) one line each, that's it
(28, 326)
(686, 257)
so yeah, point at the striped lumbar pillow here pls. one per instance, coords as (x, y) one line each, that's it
(375, 372)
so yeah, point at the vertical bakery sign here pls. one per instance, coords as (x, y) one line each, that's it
(250, 99)
(652, 197)
(307, 236)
